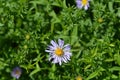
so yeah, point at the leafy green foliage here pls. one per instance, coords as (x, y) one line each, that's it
(28, 26)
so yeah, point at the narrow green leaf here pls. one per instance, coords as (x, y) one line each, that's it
(94, 74)
(74, 34)
(110, 5)
(115, 68)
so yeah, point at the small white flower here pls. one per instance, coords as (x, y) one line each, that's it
(82, 3)
(59, 52)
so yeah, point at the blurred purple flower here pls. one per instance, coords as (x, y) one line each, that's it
(59, 52)
(82, 3)
(16, 72)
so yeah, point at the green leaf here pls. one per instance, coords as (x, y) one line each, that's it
(115, 68)
(1, 24)
(74, 34)
(110, 5)
(37, 69)
(53, 68)
(109, 60)
(94, 74)
(117, 58)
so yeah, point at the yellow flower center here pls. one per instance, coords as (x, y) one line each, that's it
(59, 52)
(100, 20)
(17, 72)
(27, 36)
(25, 46)
(79, 78)
(84, 2)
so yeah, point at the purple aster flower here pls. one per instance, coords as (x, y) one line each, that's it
(82, 3)
(16, 72)
(59, 52)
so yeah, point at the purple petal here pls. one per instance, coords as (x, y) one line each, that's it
(86, 7)
(49, 51)
(68, 54)
(54, 44)
(51, 47)
(61, 43)
(59, 60)
(67, 47)
(79, 4)
(55, 60)
(64, 59)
